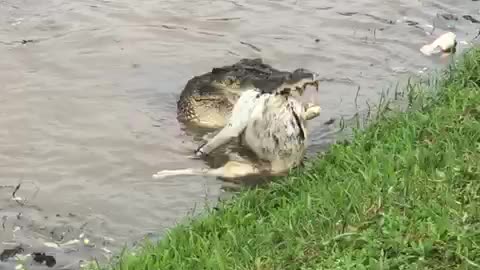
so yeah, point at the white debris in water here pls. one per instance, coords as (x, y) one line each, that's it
(106, 250)
(17, 21)
(17, 228)
(19, 267)
(109, 239)
(445, 42)
(71, 242)
(51, 244)
(86, 241)
(11, 243)
(423, 70)
(81, 235)
(402, 19)
(399, 69)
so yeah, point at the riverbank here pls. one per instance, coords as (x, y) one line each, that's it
(404, 193)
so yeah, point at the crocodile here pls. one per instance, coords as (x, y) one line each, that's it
(272, 125)
(207, 100)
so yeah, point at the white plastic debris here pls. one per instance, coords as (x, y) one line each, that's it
(399, 69)
(71, 242)
(109, 239)
(445, 43)
(106, 250)
(17, 21)
(423, 70)
(51, 244)
(86, 241)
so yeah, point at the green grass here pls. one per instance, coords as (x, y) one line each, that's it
(404, 194)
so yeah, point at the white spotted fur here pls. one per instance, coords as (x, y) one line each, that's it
(268, 125)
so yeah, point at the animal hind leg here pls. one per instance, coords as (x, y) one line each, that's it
(237, 122)
(232, 169)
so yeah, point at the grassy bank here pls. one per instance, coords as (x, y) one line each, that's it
(404, 194)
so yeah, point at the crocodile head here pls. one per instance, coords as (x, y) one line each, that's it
(295, 83)
(207, 100)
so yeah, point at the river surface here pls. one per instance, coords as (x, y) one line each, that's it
(89, 90)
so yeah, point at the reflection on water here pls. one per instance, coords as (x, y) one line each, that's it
(89, 94)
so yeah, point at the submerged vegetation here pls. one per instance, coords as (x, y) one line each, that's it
(403, 194)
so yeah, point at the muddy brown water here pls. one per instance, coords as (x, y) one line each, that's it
(89, 89)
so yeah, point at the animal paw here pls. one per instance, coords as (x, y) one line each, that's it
(199, 152)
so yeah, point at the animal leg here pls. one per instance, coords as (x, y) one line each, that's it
(208, 136)
(231, 169)
(311, 111)
(237, 122)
